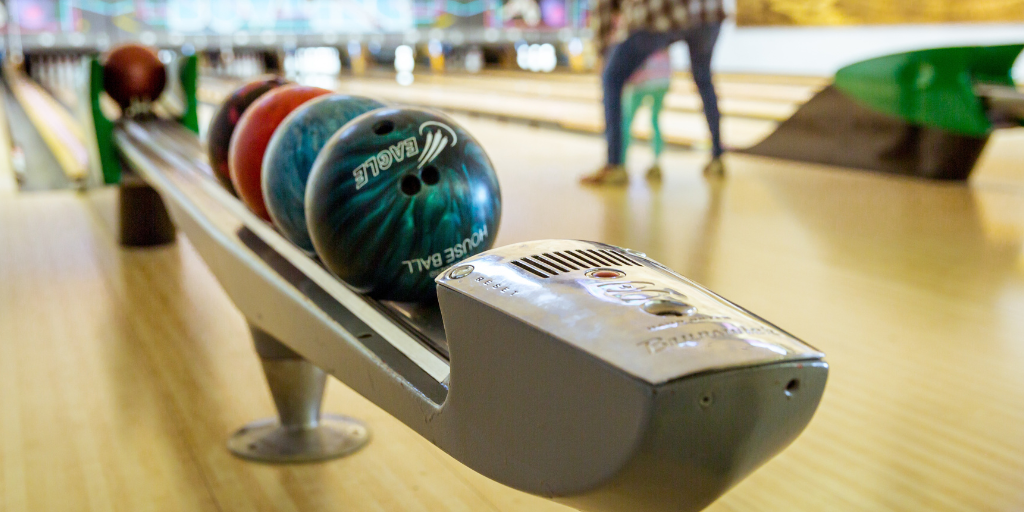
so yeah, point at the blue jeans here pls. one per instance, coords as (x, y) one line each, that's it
(627, 57)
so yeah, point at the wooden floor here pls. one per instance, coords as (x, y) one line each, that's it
(586, 115)
(751, 111)
(738, 98)
(123, 372)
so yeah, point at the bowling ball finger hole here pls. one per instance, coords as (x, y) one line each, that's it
(411, 185)
(430, 175)
(384, 127)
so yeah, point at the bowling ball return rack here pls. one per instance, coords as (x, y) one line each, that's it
(577, 371)
(617, 385)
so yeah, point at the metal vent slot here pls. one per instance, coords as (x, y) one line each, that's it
(575, 259)
(591, 262)
(559, 262)
(531, 260)
(619, 257)
(604, 259)
(546, 258)
(530, 269)
(612, 256)
(564, 261)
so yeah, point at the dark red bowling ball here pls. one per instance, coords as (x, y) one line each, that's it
(223, 124)
(133, 72)
(252, 135)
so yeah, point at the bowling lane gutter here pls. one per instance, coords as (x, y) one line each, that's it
(42, 170)
(8, 174)
(55, 125)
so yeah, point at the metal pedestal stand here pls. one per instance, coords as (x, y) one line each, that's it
(299, 433)
(144, 219)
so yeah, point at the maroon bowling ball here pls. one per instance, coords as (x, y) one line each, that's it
(222, 126)
(133, 72)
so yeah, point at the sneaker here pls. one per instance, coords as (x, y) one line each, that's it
(654, 173)
(715, 168)
(608, 175)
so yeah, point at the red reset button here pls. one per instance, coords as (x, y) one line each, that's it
(605, 274)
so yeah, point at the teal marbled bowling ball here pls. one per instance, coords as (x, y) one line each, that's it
(397, 196)
(290, 155)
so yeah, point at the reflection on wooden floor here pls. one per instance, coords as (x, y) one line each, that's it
(751, 110)
(123, 372)
(740, 98)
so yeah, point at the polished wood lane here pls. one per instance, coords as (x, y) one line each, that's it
(679, 128)
(759, 87)
(123, 372)
(751, 104)
(681, 97)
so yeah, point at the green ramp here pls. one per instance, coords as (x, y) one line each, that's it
(926, 113)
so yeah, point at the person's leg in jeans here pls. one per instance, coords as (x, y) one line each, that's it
(623, 60)
(701, 43)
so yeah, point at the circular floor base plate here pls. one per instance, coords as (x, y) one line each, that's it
(267, 441)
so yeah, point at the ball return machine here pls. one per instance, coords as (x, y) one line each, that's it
(578, 371)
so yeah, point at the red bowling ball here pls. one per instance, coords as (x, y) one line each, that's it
(222, 126)
(133, 73)
(252, 135)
